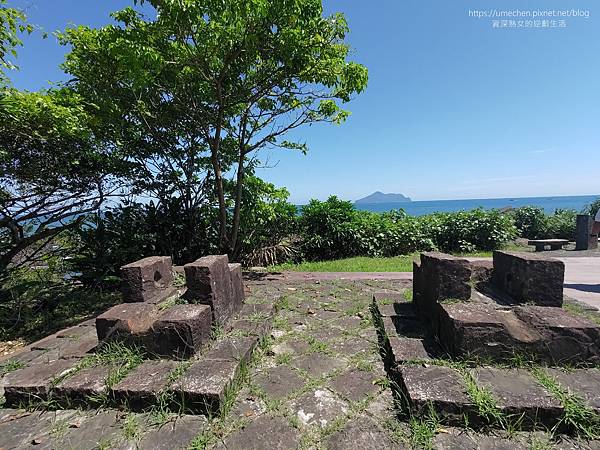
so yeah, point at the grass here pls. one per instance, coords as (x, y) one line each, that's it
(357, 264)
(370, 264)
(577, 415)
(423, 430)
(10, 366)
(581, 311)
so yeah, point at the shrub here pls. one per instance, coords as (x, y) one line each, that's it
(469, 231)
(562, 224)
(592, 208)
(334, 229)
(531, 222)
(328, 230)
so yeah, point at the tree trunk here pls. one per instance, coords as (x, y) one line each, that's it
(238, 204)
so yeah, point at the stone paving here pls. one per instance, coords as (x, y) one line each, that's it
(317, 382)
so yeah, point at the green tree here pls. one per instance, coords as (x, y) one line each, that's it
(195, 92)
(12, 22)
(53, 170)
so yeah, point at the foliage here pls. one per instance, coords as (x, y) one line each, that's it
(469, 231)
(267, 224)
(533, 223)
(195, 91)
(132, 230)
(333, 229)
(52, 169)
(12, 22)
(592, 208)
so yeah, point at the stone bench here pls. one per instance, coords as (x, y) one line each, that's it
(554, 244)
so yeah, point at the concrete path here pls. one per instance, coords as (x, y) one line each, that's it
(582, 279)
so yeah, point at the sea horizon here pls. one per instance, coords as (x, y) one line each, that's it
(423, 207)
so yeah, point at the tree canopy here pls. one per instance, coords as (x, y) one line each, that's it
(193, 93)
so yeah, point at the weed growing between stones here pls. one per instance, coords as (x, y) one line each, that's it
(423, 429)
(484, 401)
(408, 295)
(131, 428)
(10, 366)
(579, 310)
(577, 415)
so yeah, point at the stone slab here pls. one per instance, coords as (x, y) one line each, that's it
(266, 310)
(585, 383)
(148, 280)
(209, 282)
(232, 348)
(484, 330)
(143, 385)
(319, 408)
(279, 382)
(519, 394)
(33, 383)
(441, 388)
(86, 383)
(404, 327)
(202, 388)
(125, 320)
(175, 435)
(264, 432)
(528, 277)
(318, 364)
(411, 349)
(252, 327)
(361, 433)
(181, 330)
(356, 385)
(568, 338)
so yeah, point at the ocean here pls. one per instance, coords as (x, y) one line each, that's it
(421, 208)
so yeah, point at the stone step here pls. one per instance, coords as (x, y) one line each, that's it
(520, 396)
(520, 399)
(438, 388)
(80, 388)
(142, 387)
(403, 350)
(33, 383)
(584, 383)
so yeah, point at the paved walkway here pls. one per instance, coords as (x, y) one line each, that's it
(582, 279)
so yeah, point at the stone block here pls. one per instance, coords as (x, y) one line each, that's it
(411, 349)
(123, 321)
(74, 342)
(238, 296)
(483, 330)
(404, 327)
(518, 394)
(232, 348)
(141, 388)
(33, 383)
(202, 388)
(252, 327)
(584, 383)
(148, 280)
(208, 282)
(181, 330)
(440, 277)
(383, 298)
(437, 387)
(568, 338)
(86, 383)
(529, 277)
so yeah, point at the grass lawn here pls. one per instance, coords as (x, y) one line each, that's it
(365, 264)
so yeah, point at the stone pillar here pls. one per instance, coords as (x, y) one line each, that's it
(208, 282)
(529, 277)
(585, 240)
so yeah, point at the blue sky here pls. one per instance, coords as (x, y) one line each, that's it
(455, 108)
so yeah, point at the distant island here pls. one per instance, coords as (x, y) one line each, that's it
(380, 197)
